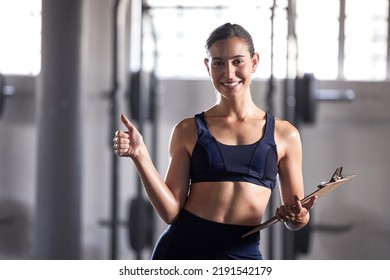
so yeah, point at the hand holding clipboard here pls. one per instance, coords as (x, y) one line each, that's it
(323, 188)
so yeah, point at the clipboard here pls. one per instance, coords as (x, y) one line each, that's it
(336, 181)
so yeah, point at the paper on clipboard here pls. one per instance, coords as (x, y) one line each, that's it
(336, 181)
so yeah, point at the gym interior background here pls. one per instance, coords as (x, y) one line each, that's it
(69, 68)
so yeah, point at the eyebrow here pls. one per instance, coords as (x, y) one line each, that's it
(236, 56)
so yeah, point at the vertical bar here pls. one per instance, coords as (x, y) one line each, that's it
(341, 52)
(113, 103)
(388, 41)
(270, 109)
(57, 229)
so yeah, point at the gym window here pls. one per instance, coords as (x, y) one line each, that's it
(335, 39)
(20, 29)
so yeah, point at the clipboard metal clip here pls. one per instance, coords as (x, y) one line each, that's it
(337, 175)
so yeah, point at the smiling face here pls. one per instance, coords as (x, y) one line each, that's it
(230, 66)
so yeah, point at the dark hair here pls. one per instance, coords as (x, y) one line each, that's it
(229, 30)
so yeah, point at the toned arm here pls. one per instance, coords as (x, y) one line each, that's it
(291, 179)
(167, 197)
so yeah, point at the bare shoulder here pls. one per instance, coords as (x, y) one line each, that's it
(284, 130)
(185, 126)
(287, 138)
(184, 134)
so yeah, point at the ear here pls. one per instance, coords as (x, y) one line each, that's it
(206, 62)
(255, 62)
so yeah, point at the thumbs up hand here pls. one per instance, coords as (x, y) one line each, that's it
(127, 143)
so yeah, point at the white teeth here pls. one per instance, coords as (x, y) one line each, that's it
(231, 84)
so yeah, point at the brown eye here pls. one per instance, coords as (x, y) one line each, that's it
(238, 62)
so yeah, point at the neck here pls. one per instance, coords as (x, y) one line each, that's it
(237, 109)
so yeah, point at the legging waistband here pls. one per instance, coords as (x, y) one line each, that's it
(189, 221)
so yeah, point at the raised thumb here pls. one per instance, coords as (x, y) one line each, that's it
(126, 122)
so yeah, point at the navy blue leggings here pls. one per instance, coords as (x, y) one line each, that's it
(193, 238)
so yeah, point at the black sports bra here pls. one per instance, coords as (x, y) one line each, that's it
(212, 161)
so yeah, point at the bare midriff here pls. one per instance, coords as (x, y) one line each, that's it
(238, 203)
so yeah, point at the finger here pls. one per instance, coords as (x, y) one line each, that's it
(298, 204)
(116, 147)
(121, 152)
(126, 122)
(116, 150)
(309, 205)
(285, 212)
(122, 140)
(278, 214)
(120, 135)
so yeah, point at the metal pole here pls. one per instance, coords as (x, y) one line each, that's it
(59, 172)
(341, 40)
(388, 41)
(114, 115)
(270, 109)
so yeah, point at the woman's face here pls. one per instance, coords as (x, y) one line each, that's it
(230, 67)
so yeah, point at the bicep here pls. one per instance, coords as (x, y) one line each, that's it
(178, 173)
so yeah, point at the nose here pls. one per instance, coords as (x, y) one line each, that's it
(229, 71)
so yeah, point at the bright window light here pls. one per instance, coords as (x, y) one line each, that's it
(20, 29)
(181, 40)
(317, 29)
(366, 39)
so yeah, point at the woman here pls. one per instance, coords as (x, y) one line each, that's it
(223, 164)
